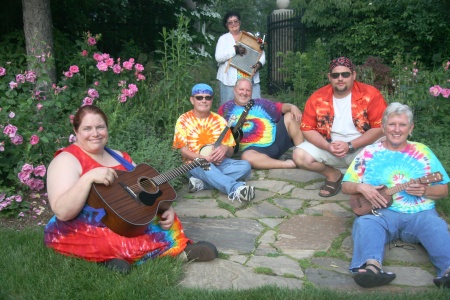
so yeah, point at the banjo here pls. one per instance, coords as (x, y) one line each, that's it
(207, 149)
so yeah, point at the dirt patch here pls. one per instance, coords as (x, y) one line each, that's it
(38, 215)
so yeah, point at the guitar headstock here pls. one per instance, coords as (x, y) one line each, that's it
(203, 163)
(231, 120)
(433, 177)
(249, 104)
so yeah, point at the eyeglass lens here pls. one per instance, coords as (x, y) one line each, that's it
(200, 98)
(233, 22)
(344, 75)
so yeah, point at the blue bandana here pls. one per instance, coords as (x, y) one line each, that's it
(202, 88)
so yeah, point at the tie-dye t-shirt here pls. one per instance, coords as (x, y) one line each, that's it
(196, 132)
(377, 165)
(260, 124)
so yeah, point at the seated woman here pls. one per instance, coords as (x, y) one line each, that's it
(75, 231)
(412, 216)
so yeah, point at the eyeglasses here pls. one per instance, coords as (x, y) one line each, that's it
(344, 75)
(233, 22)
(207, 98)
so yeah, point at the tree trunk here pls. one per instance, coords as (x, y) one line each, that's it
(38, 28)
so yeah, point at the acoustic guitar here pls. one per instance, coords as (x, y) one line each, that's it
(134, 198)
(237, 129)
(207, 149)
(361, 206)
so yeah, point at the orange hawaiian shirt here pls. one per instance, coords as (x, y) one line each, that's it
(368, 105)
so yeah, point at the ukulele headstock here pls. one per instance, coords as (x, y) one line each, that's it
(249, 105)
(433, 177)
(203, 163)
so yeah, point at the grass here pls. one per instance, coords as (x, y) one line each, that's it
(31, 271)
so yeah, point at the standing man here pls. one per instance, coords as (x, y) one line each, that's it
(339, 119)
(200, 127)
(270, 129)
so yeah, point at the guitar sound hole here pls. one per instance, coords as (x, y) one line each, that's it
(147, 185)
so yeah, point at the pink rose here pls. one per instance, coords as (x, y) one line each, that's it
(98, 57)
(140, 77)
(2, 71)
(74, 69)
(68, 74)
(2, 146)
(445, 93)
(435, 90)
(128, 65)
(109, 62)
(10, 130)
(87, 101)
(102, 66)
(40, 171)
(91, 41)
(11, 115)
(18, 198)
(84, 53)
(17, 139)
(20, 78)
(72, 138)
(96, 83)
(105, 56)
(30, 76)
(13, 85)
(34, 139)
(117, 69)
(122, 98)
(39, 106)
(139, 67)
(93, 93)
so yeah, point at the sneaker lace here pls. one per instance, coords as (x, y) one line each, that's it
(236, 194)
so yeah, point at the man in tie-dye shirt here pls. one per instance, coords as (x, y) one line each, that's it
(196, 133)
(269, 130)
(412, 216)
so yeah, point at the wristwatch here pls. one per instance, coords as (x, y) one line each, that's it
(351, 149)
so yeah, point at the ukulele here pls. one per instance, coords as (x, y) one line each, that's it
(207, 149)
(134, 198)
(361, 206)
(237, 130)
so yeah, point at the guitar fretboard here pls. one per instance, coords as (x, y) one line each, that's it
(433, 177)
(165, 177)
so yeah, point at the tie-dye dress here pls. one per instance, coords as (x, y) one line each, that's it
(377, 165)
(88, 238)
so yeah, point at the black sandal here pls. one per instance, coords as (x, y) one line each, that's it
(443, 281)
(369, 278)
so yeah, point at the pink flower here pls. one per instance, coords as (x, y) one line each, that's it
(40, 171)
(34, 139)
(128, 65)
(74, 69)
(109, 62)
(2, 146)
(17, 139)
(13, 85)
(39, 106)
(132, 89)
(91, 41)
(87, 101)
(68, 74)
(11, 115)
(96, 83)
(105, 56)
(40, 129)
(117, 69)
(22, 214)
(2, 71)
(84, 53)
(98, 57)
(18, 198)
(71, 118)
(10, 130)
(30, 76)
(139, 67)
(445, 93)
(93, 93)
(435, 90)
(27, 168)
(72, 138)
(102, 66)
(20, 78)
(122, 98)
(140, 77)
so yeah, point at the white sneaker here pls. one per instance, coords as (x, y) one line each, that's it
(195, 185)
(244, 192)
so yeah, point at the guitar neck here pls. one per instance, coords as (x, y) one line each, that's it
(434, 177)
(165, 177)
(241, 121)
(221, 136)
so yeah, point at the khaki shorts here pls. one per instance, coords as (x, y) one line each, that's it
(327, 158)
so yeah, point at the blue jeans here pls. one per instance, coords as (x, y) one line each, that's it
(224, 177)
(371, 233)
(227, 92)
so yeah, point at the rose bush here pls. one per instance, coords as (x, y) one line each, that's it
(35, 113)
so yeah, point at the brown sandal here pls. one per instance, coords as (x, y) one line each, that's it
(332, 187)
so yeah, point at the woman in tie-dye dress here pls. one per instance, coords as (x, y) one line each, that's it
(412, 216)
(77, 230)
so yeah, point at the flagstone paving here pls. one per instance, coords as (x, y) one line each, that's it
(284, 237)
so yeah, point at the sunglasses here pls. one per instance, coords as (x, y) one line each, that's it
(207, 98)
(344, 75)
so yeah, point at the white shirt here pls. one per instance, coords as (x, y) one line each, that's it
(343, 128)
(224, 51)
